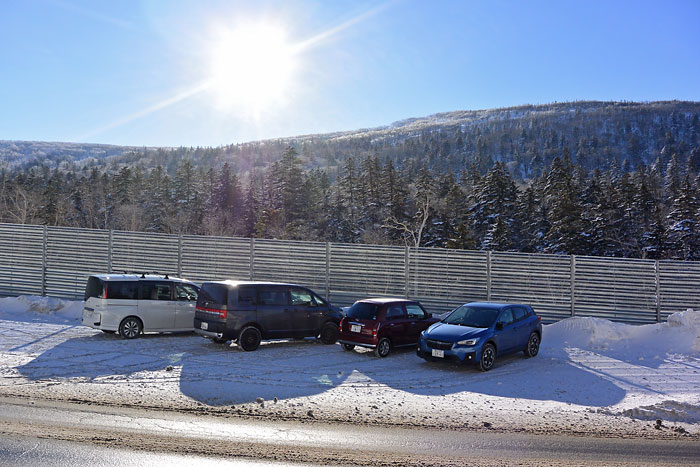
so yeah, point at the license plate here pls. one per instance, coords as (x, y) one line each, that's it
(438, 353)
(205, 326)
(355, 328)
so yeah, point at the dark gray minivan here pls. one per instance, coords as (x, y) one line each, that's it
(248, 312)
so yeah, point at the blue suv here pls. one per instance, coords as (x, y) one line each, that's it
(478, 332)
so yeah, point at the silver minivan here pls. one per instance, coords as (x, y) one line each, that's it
(132, 304)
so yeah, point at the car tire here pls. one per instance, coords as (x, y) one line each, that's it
(329, 333)
(383, 347)
(348, 347)
(249, 338)
(130, 327)
(533, 345)
(488, 357)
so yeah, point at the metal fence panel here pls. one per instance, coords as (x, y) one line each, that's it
(144, 252)
(361, 271)
(303, 263)
(542, 281)
(616, 288)
(444, 279)
(679, 286)
(215, 258)
(71, 256)
(56, 261)
(21, 259)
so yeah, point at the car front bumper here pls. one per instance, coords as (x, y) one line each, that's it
(462, 354)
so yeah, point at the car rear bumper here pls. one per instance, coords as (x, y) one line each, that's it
(357, 343)
(209, 334)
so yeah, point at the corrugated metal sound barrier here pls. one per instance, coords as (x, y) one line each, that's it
(56, 261)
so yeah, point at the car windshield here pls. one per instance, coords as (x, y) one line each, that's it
(362, 310)
(474, 317)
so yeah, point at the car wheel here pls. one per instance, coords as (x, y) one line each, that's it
(383, 347)
(488, 357)
(130, 327)
(219, 340)
(348, 347)
(329, 333)
(533, 345)
(249, 338)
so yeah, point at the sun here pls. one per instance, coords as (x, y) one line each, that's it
(251, 68)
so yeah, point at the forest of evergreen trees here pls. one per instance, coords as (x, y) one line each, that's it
(595, 181)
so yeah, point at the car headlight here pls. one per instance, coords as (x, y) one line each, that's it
(469, 342)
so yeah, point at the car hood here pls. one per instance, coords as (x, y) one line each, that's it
(452, 332)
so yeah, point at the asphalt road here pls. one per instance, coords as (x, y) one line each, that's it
(130, 434)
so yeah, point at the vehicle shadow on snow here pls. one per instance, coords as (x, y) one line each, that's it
(104, 355)
(223, 375)
(288, 369)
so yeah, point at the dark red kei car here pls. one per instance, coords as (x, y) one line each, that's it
(384, 323)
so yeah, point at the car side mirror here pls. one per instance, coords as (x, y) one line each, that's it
(499, 326)
(428, 315)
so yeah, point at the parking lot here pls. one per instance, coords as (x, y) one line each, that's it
(589, 376)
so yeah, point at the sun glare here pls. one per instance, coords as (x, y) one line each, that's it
(251, 68)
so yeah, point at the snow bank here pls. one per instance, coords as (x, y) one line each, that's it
(45, 309)
(679, 335)
(667, 410)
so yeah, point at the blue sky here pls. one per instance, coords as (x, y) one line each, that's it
(176, 72)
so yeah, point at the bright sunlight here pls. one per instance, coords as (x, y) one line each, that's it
(251, 68)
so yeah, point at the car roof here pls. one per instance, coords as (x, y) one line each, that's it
(139, 277)
(494, 305)
(384, 300)
(235, 283)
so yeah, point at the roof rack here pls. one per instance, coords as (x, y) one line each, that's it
(143, 274)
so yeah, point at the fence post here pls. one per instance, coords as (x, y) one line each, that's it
(658, 291)
(488, 275)
(572, 277)
(43, 262)
(406, 266)
(328, 271)
(179, 255)
(109, 251)
(252, 259)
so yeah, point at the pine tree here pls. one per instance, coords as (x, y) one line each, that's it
(567, 233)
(684, 234)
(496, 200)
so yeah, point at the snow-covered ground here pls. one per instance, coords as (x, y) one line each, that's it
(591, 376)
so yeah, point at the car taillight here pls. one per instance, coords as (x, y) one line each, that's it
(104, 295)
(375, 329)
(539, 319)
(221, 313)
(340, 326)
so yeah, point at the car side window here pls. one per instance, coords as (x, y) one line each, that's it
(156, 291)
(272, 296)
(394, 311)
(246, 295)
(319, 301)
(301, 297)
(507, 317)
(185, 292)
(415, 312)
(519, 313)
(125, 290)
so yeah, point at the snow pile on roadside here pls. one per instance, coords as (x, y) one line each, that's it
(34, 308)
(667, 410)
(679, 335)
